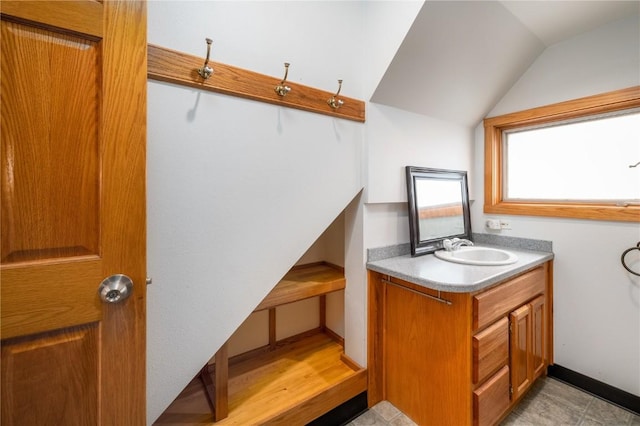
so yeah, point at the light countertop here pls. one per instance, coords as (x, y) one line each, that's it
(438, 274)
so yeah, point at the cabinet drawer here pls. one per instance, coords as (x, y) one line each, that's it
(490, 350)
(496, 302)
(491, 399)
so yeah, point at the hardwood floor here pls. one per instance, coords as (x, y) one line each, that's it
(292, 375)
(291, 385)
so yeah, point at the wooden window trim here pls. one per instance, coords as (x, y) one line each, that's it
(494, 127)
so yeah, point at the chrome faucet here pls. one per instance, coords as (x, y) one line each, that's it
(455, 244)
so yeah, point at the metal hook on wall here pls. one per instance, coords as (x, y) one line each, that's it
(205, 71)
(333, 102)
(282, 89)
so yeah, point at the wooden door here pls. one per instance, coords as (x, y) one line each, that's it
(520, 320)
(73, 93)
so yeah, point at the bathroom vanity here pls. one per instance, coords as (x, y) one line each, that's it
(456, 344)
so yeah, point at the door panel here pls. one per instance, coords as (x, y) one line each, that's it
(538, 337)
(73, 92)
(50, 147)
(71, 378)
(520, 350)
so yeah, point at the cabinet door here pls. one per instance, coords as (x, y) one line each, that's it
(538, 336)
(427, 366)
(521, 368)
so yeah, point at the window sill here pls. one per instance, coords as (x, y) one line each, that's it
(577, 211)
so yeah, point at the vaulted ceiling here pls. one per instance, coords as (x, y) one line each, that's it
(459, 58)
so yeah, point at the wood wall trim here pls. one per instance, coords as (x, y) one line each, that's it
(81, 17)
(180, 68)
(493, 157)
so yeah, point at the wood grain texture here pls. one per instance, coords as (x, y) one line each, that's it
(538, 337)
(48, 162)
(272, 328)
(423, 358)
(221, 401)
(491, 400)
(498, 301)
(548, 267)
(521, 368)
(493, 175)
(31, 301)
(490, 350)
(74, 145)
(47, 379)
(301, 282)
(322, 402)
(292, 385)
(375, 338)
(123, 221)
(83, 17)
(279, 344)
(180, 68)
(427, 356)
(304, 282)
(269, 386)
(610, 101)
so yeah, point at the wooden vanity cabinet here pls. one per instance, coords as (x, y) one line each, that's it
(521, 301)
(458, 358)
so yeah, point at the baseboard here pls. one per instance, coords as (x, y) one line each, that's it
(602, 390)
(343, 413)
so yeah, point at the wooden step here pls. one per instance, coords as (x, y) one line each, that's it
(292, 385)
(303, 282)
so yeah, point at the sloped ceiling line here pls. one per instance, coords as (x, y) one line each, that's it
(459, 58)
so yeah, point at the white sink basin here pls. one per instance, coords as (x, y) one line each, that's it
(477, 256)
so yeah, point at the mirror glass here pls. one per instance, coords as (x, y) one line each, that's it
(438, 207)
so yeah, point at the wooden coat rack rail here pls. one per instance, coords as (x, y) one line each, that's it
(180, 68)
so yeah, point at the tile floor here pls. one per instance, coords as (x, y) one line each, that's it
(549, 402)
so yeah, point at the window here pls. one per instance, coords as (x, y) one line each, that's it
(567, 160)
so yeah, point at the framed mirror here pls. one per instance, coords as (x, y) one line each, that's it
(438, 207)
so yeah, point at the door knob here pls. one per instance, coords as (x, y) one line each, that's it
(115, 289)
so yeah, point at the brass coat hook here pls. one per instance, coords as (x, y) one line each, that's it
(205, 71)
(282, 89)
(333, 102)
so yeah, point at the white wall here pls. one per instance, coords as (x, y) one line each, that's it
(597, 303)
(211, 258)
(300, 316)
(396, 139)
(238, 190)
(231, 207)
(322, 42)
